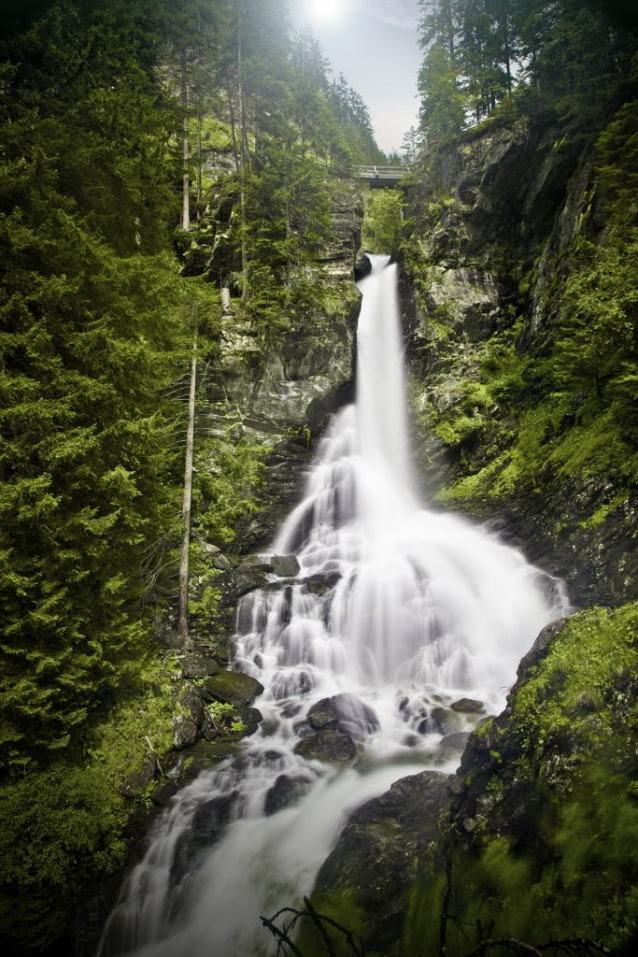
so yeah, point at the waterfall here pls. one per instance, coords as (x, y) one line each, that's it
(396, 613)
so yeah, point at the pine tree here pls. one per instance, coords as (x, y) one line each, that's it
(84, 194)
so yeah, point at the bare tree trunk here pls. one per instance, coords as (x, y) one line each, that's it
(200, 110)
(450, 28)
(233, 129)
(243, 154)
(182, 625)
(186, 217)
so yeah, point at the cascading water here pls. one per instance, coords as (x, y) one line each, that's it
(396, 612)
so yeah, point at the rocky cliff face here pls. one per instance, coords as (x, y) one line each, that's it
(498, 223)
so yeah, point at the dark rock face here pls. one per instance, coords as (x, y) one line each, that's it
(540, 648)
(328, 746)
(599, 565)
(209, 821)
(371, 866)
(198, 666)
(285, 792)
(246, 578)
(162, 795)
(184, 732)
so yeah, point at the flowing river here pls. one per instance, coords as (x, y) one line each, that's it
(396, 614)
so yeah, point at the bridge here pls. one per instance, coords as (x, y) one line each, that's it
(382, 177)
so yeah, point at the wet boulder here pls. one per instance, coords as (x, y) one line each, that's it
(285, 792)
(467, 706)
(329, 746)
(162, 794)
(321, 583)
(248, 577)
(345, 713)
(323, 715)
(285, 566)
(362, 267)
(443, 720)
(231, 687)
(206, 828)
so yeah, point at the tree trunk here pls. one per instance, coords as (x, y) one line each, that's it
(200, 110)
(449, 28)
(243, 154)
(186, 217)
(233, 129)
(182, 625)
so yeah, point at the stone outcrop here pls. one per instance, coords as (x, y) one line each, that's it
(497, 217)
(541, 788)
(365, 882)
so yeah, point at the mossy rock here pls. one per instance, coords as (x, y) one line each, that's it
(328, 746)
(232, 687)
(366, 881)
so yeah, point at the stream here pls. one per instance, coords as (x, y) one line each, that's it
(410, 621)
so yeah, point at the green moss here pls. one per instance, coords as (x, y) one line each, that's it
(143, 719)
(421, 927)
(343, 907)
(568, 746)
(580, 882)
(575, 688)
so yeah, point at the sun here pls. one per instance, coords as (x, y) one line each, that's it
(325, 11)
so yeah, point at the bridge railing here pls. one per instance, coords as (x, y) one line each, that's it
(381, 172)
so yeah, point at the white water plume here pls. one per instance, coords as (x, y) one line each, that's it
(396, 613)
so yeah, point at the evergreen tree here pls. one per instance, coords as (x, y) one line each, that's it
(84, 195)
(442, 102)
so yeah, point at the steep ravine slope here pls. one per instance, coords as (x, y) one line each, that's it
(519, 294)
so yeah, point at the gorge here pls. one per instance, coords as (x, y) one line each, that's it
(403, 682)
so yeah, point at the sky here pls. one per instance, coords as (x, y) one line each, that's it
(374, 44)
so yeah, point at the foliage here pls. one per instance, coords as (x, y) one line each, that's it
(220, 712)
(63, 828)
(484, 55)
(353, 117)
(87, 474)
(383, 222)
(442, 104)
(226, 487)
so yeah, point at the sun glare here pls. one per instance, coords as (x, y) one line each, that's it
(325, 11)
